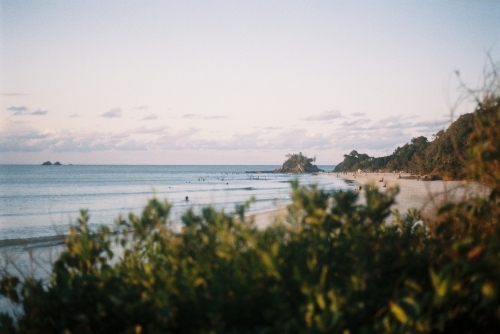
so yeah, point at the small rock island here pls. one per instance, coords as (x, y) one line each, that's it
(297, 164)
(48, 163)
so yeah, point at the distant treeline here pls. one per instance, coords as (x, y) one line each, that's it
(445, 156)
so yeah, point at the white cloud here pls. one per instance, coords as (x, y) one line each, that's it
(144, 130)
(150, 117)
(210, 117)
(22, 110)
(140, 107)
(356, 122)
(131, 145)
(372, 137)
(432, 124)
(214, 117)
(160, 138)
(382, 136)
(65, 141)
(299, 139)
(112, 113)
(18, 110)
(39, 112)
(23, 142)
(327, 115)
(358, 114)
(296, 139)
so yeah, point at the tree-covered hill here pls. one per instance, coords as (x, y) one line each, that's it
(444, 156)
(298, 163)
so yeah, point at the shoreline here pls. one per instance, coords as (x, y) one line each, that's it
(425, 196)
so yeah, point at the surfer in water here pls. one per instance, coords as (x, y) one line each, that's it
(187, 198)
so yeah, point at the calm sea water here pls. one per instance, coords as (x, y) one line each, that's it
(41, 201)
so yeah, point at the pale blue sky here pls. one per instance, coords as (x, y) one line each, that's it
(240, 82)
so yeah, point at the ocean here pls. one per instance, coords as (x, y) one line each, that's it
(40, 202)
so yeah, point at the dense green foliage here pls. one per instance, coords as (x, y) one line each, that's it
(298, 163)
(444, 156)
(333, 265)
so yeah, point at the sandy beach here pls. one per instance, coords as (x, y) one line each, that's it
(426, 196)
(263, 219)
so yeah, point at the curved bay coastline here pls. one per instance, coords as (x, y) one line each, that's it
(39, 203)
(33, 255)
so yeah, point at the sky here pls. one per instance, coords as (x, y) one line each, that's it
(233, 82)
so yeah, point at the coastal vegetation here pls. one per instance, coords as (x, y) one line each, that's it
(445, 156)
(334, 265)
(298, 163)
